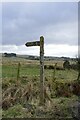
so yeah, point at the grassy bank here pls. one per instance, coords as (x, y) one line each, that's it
(15, 93)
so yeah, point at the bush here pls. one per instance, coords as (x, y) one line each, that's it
(66, 64)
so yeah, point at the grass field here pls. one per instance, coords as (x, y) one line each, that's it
(29, 73)
(32, 68)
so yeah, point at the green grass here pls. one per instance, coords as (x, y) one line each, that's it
(11, 70)
(29, 70)
(62, 75)
(32, 68)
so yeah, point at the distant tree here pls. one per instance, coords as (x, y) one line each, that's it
(13, 55)
(9, 54)
(5, 54)
(66, 64)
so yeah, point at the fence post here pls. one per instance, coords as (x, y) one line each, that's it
(41, 70)
(18, 72)
(54, 72)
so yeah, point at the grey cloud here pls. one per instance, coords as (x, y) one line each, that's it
(27, 21)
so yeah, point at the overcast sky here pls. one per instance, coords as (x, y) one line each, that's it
(56, 21)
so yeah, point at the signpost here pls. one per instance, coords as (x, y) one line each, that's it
(41, 44)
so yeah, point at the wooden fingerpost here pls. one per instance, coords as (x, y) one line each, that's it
(41, 70)
(41, 44)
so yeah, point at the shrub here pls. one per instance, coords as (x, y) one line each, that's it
(66, 64)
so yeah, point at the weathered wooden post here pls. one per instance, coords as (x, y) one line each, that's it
(41, 70)
(41, 44)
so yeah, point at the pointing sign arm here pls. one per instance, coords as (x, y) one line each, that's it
(36, 43)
